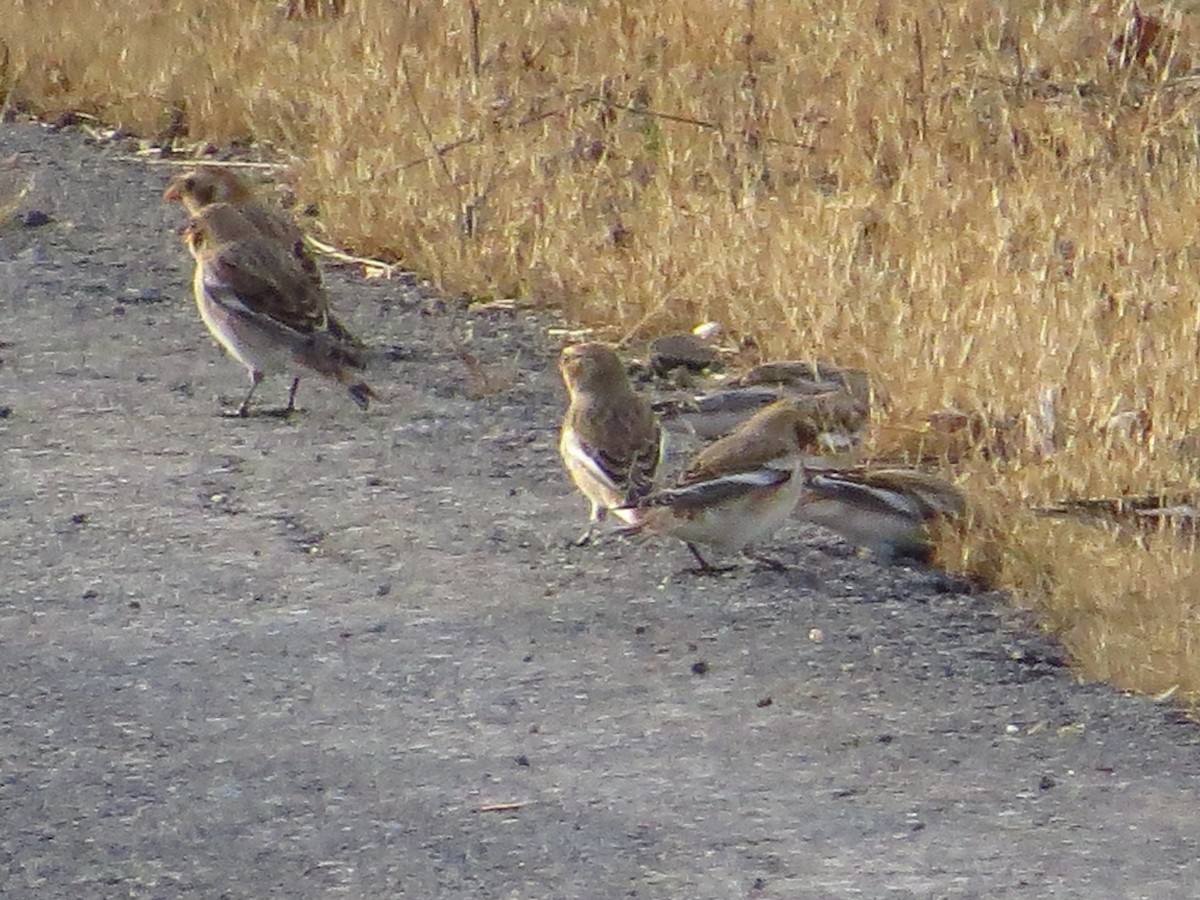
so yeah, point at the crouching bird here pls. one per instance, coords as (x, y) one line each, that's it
(739, 489)
(889, 511)
(265, 309)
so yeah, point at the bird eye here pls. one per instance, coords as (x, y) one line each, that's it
(189, 184)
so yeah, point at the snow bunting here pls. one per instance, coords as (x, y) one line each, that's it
(611, 443)
(739, 489)
(889, 511)
(263, 308)
(203, 186)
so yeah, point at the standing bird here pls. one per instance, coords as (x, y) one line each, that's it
(204, 186)
(739, 489)
(264, 309)
(611, 443)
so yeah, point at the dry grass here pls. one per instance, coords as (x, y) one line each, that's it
(927, 196)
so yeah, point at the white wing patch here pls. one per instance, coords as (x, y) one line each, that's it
(579, 454)
(726, 487)
(867, 495)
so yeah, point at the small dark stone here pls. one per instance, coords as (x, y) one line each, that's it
(885, 739)
(528, 657)
(681, 350)
(118, 310)
(1046, 782)
(34, 218)
(90, 594)
(79, 519)
(522, 760)
(764, 702)
(5, 412)
(377, 628)
(384, 589)
(133, 604)
(700, 667)
(641, 629)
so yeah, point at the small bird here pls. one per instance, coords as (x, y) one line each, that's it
(739, 489)
(203, 186)
(889, 511)
(264, 309)
(611, 443)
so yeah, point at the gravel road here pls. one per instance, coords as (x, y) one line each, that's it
(352, 654)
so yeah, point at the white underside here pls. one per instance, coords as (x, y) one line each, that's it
(256, 347)
(592, 481)
(875, 529)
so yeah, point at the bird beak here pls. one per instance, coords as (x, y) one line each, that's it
(172, 194)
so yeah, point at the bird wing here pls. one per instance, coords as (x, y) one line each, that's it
(713, 491)
(256, 277)
(276, 225)
(859, 493)
(630, 474)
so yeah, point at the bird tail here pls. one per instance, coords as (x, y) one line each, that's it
(361, 393)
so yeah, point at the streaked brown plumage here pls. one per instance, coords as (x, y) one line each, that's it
(263, 308)
(205, 186)
(611, 443)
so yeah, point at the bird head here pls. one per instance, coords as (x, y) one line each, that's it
(592, 367)
(206, 185)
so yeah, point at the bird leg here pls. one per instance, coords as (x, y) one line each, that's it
(243, 411)
(291, 407)
(706, 568)
(598, 515)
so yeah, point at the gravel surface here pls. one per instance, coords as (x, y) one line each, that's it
(311, 658)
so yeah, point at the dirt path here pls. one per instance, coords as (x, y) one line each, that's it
(253, 659)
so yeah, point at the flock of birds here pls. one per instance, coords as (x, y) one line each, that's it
(260, 292)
